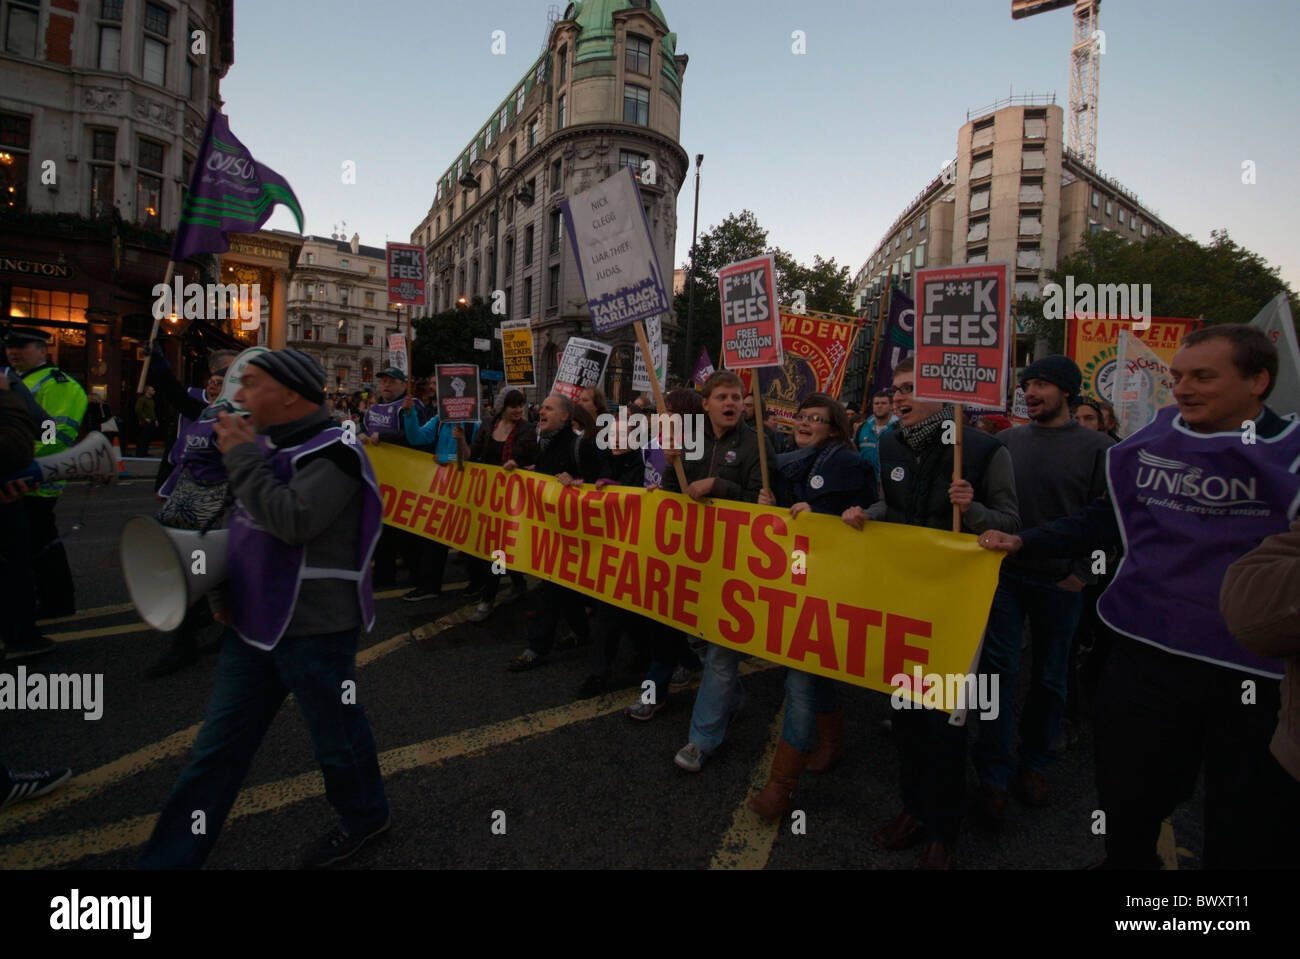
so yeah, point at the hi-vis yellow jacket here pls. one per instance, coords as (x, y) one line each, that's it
(65, 401)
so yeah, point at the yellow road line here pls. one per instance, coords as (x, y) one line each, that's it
(100, 631)
(1166, 847)
(86, 785)
(89, 614)
(748, 843)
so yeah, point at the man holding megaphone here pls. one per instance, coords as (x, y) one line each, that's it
(307, 515)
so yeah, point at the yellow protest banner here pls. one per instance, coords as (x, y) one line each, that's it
(808, 592)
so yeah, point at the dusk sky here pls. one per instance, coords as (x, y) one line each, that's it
(826, 147)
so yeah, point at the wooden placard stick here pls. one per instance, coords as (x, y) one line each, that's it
(658, 392)
(153, 334)
(956, 465)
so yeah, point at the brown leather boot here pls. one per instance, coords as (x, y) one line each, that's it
(774, 800)
(830, 742)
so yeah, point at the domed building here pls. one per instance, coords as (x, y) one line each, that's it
(605, 94)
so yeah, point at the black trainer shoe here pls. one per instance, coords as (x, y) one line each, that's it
(29, 785)
(173, 660)
(337, 845)
(421, 593)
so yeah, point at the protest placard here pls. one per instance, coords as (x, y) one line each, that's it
(718, 570)
(397, 352)
(458, 392)
(963, 326)
(615, 253)
(1093, 343)
(405, 274)
(654, 331)
(751, 330)
(517, 345)
(582, 366)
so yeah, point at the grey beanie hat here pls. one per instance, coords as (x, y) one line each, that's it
(296, 370)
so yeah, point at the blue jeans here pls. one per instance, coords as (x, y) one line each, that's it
(250, 686)
(1053, 615)
(806, 695)
(720, 694)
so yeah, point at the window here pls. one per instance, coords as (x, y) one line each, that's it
(979, 230)
(345, 263)
(510, 259)
(473, 152)
(503, 118)
(311, 258)
(50, 305)
(561, 112)
(1026, 287)
(370, 298)
(528, 246)
(557, 177)
(110, 37)
(1144, 231)
(528, 295)
(553, 288)
(979, 199)
(191, 71)
(981, 134)
(488, 138)
(1108, 206)
(908, 234)
(103, 153)
(20, 28)
(512, 153)
(1035, 124)
(532, 133)
(636, 56)
(519, 101)
(148, 183)
(372, 273)
(343, 296)
(1096, 200)
(473, 277)
(898, 241)
(1033, 158)
(636, 105)
(634, 161)
(15, 143)
(509, 302)
(977, 254)
(920, 254)
(1029, 257)
(562, 60)
(510, 211)
(1031, 191)
(1031, 223)
(306, 330)
(343, 332)
(925, 218)
(981, 166)
(367, 336)
(557, 231)
(157, 25)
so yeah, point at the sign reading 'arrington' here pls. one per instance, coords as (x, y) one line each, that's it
(615, 253)
(962, 334)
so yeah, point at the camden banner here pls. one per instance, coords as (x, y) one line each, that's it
(816, 356)
(1094, 345)
(810, 593)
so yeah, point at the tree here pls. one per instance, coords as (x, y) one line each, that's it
(1220, 282)
(827, 287)
(448, 337)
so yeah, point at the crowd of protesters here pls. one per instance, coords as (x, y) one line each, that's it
(1123, 607)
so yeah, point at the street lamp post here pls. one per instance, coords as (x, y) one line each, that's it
(690, 285)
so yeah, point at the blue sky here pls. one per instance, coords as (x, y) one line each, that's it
(826, 147)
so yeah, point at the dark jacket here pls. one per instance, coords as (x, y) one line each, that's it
(916, 490)
(733, 459)
(1260, 602)
(842, 480)
(520, 447)
(567, 452)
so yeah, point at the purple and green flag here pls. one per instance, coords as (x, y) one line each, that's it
(230, 192)
(898, 339)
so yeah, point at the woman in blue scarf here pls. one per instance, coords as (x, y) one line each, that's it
(822, 474)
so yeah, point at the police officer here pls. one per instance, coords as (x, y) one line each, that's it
(64, 401)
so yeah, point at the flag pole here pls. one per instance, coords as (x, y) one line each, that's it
(658, 392)
(956, 464)
(762, 432)
(153, 334)
(875, 346)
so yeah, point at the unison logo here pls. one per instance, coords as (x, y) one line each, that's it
(221, 301)
(1160, 475)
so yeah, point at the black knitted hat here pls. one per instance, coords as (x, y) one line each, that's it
(1059, 370)
(296, 370)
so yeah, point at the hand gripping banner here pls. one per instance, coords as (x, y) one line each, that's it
(809, 592)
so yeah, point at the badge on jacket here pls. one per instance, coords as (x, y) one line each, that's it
(730, 457)
(896, 474)
(817, 482)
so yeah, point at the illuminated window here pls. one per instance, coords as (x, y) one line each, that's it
(15, 143)
(148, 184)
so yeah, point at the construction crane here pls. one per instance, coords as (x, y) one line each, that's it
(1085, 68)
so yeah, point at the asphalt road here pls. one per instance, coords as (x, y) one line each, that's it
(466, 746)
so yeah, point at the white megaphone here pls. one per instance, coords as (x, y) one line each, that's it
(91, 459)
(168, 570)
(225, 403)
